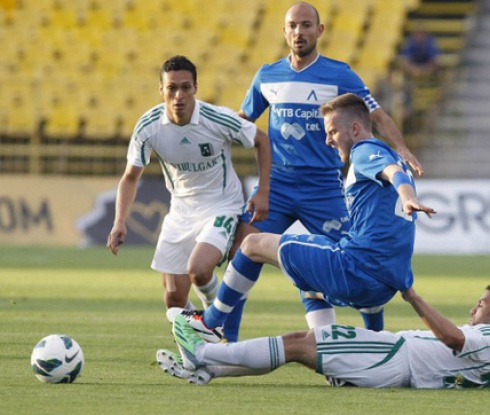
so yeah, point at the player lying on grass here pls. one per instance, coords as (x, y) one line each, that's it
(446, 356)
(367, 266)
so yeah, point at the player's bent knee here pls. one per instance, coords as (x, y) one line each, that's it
(200, 276)
(261, 247)
(250, 244)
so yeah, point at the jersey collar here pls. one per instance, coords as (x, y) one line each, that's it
(306, 67)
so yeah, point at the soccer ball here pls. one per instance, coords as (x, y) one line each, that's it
(57, 359)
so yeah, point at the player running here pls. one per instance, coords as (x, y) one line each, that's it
(192, 140)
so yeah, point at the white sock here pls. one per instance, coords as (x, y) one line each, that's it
(319, 318)
(207, 292)
(190, 306)
(249, 357)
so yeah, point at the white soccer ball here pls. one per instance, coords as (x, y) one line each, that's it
(57, 359)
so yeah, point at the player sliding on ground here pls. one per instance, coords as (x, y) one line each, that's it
(446, 356)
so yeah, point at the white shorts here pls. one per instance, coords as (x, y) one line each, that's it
(180, 234)
(362, 357)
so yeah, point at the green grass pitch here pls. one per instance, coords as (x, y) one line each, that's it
(113, 307)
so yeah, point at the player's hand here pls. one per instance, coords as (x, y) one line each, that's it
(116, 238)
(413, 205)
(412, 161)
(258, 205)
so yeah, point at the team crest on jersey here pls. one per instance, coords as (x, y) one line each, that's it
(206, 149)
(312, 96)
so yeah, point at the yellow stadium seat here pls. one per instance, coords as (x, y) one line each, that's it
(63, 17)
(99, 123)
(62, 121)
(233, 91)
(208, 84)
(8, 4)
(342, 45)
(136, 18)
(347, 29)
(98, 17)
(22, 119)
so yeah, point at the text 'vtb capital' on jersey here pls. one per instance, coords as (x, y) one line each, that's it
(285, 112)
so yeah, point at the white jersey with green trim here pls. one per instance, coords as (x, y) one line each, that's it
(195, 158)
(411, 358)
(434, 365)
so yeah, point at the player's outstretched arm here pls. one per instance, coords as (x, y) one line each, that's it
(403, 185)
(441, 326)
(126, 193)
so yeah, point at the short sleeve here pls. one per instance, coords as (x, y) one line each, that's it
(254, 103)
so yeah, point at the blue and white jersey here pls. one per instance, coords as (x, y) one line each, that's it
(296, 127)
(381, 236)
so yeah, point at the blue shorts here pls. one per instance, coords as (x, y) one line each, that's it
(317, 263)
(314, 197)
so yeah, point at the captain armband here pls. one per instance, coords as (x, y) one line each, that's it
(400, 178)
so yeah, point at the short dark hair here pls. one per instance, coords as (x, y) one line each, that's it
(352, 103)
(179, 63)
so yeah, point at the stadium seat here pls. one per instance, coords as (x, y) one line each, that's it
(347, 28)
(233, 91)
(98, 17)
(63, 17)
(99, 123)
(22, 118)
(62, 121)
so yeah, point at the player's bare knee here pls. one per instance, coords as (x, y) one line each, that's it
(251, 246)
(200, 275)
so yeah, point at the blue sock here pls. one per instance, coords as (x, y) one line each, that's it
(373, 320)
(239, 278)
(232, 324)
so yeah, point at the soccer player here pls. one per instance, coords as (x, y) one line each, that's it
(192, 140)
(446, 356)
(293, 88)
(366, 267)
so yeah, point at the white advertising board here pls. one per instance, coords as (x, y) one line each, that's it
(462, 222)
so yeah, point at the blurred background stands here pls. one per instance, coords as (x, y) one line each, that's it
(75, 76)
